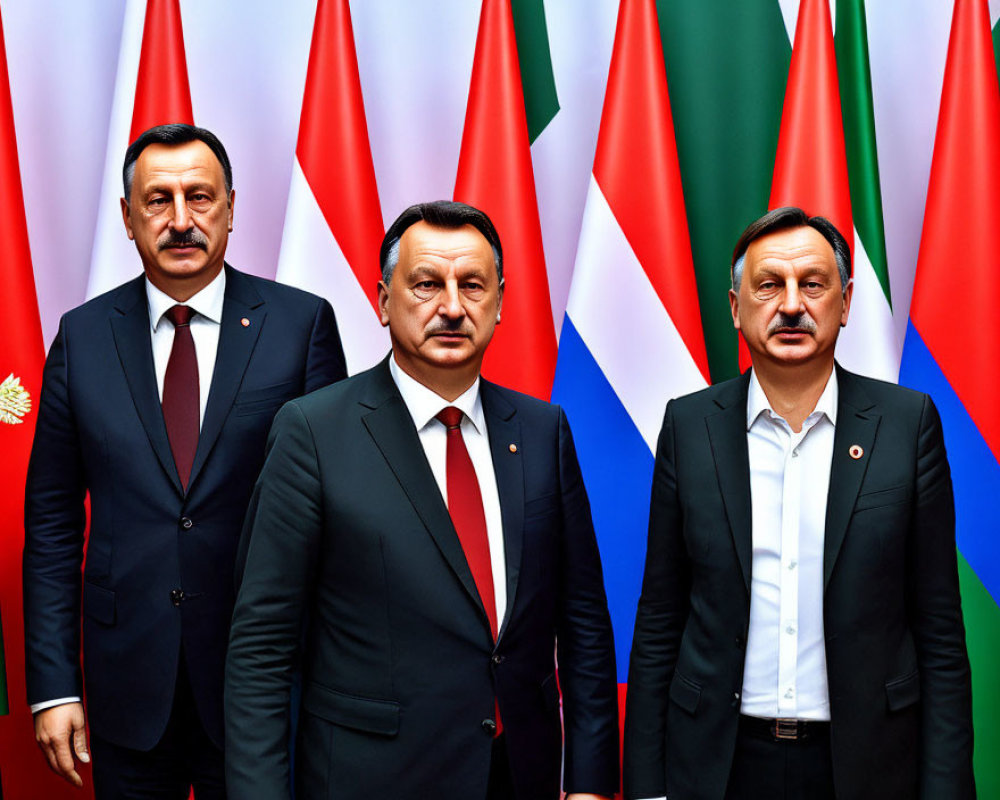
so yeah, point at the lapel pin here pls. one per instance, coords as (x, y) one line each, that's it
(245, 322)
(513, 447)
(856, 451)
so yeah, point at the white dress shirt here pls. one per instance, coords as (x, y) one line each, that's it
(424, 406)
(785, 668)
(205, 325)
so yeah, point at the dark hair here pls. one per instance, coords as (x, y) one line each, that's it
(440, 214)
(175, 133)
(792, 217)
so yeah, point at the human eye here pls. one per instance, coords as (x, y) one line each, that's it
(425, 288)
(472, 288)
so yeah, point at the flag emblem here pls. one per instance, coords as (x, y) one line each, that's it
(15, 401)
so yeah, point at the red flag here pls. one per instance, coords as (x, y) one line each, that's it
(25, 773)
(495, 175)
(810, 167)
(162, 94)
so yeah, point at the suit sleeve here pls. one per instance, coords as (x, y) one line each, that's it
(586, 649)
(283, 529)
(659, 625)
(325, 362)
(54, 521)
(936, 621)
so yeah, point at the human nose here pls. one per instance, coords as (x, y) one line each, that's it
(451, 301)
(791, 299)
(182, 216)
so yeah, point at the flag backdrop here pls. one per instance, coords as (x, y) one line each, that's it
(959, 364)
(307, 200)
(22, 772)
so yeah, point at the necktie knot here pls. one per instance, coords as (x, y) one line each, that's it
(450, 416)
(179, 315)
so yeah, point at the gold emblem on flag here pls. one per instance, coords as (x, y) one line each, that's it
(15, 401)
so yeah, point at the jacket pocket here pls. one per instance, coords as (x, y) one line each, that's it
(903, 692)
(361, 713)
(685, 692)
(253, 401)
(883, 497)
(98, 603)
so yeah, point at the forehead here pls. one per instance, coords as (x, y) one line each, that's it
(795, 249)
(424, 245)
(192, 160)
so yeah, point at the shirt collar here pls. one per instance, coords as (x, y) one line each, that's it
(208, 302)
(425, 404)
(757, 402)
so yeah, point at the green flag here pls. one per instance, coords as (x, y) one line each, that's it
(727, 64)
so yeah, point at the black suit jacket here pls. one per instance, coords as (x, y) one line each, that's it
(897, 668)
(349, 536)
(100, 430)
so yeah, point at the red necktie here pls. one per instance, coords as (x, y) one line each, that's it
(465, 504)
(181, 395)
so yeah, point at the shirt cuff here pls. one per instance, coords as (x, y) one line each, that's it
(60, 701)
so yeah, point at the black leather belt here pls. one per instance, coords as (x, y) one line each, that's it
(783, 730)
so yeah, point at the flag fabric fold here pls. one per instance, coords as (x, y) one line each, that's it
(495, 174)
(25, 773)
(333, 224)
(632, 337)
(151, 88)
(812, 170)
(958, 364)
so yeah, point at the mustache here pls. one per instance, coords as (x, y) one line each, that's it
(448, 326)
(189, 238)
(785, 322)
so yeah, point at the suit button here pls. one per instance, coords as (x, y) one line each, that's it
(176, 596)
(489, 726)
(739, 641)
(497, 660)
(186, 523)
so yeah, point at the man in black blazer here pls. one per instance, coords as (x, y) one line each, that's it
(431, 571)
(157, 399)
(799, 633)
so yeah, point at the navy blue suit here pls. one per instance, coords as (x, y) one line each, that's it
(158, 580)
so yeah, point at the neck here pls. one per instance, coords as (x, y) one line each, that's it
(448, 383)
(793, 390)
(185, 287)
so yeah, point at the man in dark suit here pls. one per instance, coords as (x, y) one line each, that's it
(157, 399)
(799, 633)
(429, 534)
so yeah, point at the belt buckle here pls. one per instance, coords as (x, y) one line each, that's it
(785, 729)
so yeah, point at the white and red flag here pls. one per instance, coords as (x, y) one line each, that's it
(333, 224)
(151, 88)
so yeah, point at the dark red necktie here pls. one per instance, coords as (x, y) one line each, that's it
(181, 395)
(465, 504)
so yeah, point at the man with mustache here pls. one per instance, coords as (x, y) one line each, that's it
(799, 633)
(157, 399)
(422, 538)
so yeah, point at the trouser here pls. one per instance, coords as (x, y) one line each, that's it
(185, 757)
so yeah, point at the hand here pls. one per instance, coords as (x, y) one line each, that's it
(60, 732)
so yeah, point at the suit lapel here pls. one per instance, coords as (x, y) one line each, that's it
(236, 343)
(389, 423)
(504, 430)
(130, 327)
(727, 432)
(857, 424)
